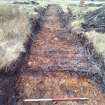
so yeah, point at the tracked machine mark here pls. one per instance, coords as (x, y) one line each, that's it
(53, 66)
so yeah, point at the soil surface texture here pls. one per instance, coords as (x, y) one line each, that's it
(54, 68)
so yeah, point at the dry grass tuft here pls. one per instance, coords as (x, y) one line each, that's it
(98, 40)
(14, 29)
(79, 13)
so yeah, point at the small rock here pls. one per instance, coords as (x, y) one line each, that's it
(56, 38)
(29, 63)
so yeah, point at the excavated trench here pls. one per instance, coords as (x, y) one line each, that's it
(57, 64)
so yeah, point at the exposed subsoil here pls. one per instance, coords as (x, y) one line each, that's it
(57, 65)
